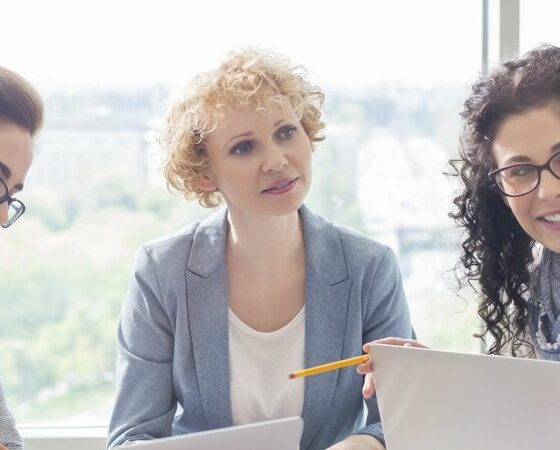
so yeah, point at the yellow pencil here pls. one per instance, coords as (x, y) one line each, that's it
(330, 366)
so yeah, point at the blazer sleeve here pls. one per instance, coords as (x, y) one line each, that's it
(387, 314)
(145, 402)
(9, 436)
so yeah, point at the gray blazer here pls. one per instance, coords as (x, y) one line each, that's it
(173, 333)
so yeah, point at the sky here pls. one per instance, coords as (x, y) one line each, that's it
(350, 44)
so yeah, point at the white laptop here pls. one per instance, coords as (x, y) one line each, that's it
(434, 400)
(280, 434)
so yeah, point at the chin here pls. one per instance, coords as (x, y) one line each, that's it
(284, 211)
(283, 208)
(551, 245)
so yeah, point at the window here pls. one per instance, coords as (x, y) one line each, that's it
(537, 25)
(395, 74)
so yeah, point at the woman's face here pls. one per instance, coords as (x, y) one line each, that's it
(260, 161)
(533, 137)
(15, 159)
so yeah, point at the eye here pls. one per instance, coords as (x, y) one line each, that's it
(555, 163)
(242, 148)
(286, 132)
(520, 171)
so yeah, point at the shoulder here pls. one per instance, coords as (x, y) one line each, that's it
(367, 257)
(175, 249)
(359, 244)
(356, 246)
(168, 243)
(170, 248)
(338, 249)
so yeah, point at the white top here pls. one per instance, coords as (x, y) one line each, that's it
(259, 368)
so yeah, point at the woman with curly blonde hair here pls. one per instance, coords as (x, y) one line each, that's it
(219, 313)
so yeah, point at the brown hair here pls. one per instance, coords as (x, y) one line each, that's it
(20, 103)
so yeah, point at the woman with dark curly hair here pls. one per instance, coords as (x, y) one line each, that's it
(509, 206)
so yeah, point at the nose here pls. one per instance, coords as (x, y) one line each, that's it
(274, 158)
(549, 186)
(3, 213)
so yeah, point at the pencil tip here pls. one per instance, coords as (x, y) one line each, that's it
(291, 376)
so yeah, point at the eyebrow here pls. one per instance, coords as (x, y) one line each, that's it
(523, 158)
(7, 173)
(249, 133)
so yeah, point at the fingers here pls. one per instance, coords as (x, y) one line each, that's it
(397, 341)
(369, 386)
(364, 368)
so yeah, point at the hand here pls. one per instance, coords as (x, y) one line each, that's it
(2, 447)
(366, 368)
(358, 442)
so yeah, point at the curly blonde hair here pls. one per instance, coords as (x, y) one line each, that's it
(249, 76)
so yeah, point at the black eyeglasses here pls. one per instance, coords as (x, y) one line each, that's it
(15, 207)
(520, 179)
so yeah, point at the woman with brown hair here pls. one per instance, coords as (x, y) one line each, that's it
(21, 116)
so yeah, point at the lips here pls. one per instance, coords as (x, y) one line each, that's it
(281, 185)
(551, 217)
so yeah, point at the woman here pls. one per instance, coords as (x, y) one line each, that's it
(220, 313)
(510, 205)
(21, 116)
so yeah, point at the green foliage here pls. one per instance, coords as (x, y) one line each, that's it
(63, 277)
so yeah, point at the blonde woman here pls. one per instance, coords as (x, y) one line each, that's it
(218, 314)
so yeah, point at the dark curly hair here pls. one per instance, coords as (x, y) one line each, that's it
(496, 251)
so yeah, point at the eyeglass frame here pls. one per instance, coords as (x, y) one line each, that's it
(539, 167)
(7, 198)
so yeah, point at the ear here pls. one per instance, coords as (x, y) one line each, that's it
(207, 182)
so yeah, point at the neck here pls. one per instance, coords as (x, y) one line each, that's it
(265, 239)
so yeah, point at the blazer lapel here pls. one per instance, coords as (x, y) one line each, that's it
(327, 289)
(208, 318)
(327, 292)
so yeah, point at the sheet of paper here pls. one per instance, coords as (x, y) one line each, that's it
(434, 400)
